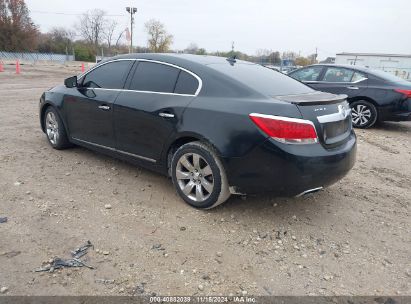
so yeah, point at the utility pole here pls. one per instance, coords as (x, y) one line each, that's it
(131, 11)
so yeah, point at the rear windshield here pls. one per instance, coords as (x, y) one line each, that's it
(262, 79)
(389, 77)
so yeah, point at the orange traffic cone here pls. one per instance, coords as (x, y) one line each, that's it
(1, 67)
(17, 67)
(83, 69)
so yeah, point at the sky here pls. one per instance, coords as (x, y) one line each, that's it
(331, 26)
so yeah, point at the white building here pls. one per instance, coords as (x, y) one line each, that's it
(399, 65)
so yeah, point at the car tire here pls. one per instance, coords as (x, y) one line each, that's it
(364, 114)
(54, 129)
(199, 176)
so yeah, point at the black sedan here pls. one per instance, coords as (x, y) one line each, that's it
(217, 126)
(373, 95)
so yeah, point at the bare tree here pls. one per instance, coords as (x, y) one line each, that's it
(109, 31)
(263, 53)
(290, 55)
(158, 38)
(62, 34)
(120, 35)
(92, 26)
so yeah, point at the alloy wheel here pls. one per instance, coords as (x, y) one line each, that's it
(361, 115)
(195, 177)
(52, 128)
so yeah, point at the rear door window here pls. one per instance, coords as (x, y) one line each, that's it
(154, 77)
(336, 74)
(358, 77)
(108, 76)
(307, 74)
(186, 84)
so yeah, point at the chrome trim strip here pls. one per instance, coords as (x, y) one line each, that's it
(200, 81)
(339, 82)
(359, 80)
(297, 120)
(145, 92)
(116, 150)
(136, 156)
(166, 115)
(342, 114)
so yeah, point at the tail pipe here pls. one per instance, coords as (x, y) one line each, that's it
(309, 191)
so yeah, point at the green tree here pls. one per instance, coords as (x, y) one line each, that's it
(84, 52)
(201, 51)
(17, 30)
(303, 61)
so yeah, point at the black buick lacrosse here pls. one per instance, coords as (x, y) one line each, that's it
(216, 126)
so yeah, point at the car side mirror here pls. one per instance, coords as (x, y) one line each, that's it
(71, 82)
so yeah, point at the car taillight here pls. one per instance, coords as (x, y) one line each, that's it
(286, 130)
(405, 92)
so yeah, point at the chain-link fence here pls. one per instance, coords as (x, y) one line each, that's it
(34, 57)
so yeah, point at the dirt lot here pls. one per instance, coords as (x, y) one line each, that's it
(351, 239)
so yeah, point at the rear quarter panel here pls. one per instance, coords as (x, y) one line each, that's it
(224, 122)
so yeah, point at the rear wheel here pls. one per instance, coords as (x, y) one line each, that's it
(364, 114)
(198, 176)
(56, 134)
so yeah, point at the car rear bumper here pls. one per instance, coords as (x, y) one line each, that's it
(290, 170)
(401, 116)
(400, 113)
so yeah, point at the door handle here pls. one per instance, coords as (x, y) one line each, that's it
(104, 108)
(166, 115)
(353, 88)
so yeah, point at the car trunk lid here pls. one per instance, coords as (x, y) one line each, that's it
(330, 114)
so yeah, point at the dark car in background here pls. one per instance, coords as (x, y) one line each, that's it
(373, 95)
(217, 126)
(283, 69)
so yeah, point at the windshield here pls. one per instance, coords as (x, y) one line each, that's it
(262, 79)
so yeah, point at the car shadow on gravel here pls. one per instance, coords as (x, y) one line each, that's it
(262, 206)
(393, 126)
(267, 207)
(95, 156)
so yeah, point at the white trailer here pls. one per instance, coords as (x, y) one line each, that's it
(399, 65)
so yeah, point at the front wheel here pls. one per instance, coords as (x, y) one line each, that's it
(364, 114)
(56, 134)
(198, 176)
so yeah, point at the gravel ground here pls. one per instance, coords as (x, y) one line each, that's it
(350, 239)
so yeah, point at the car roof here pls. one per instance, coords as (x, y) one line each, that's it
(175, 58)
(199, 64)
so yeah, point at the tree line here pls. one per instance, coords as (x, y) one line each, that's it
(262, 56)
(96, 33)
(93, 34)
